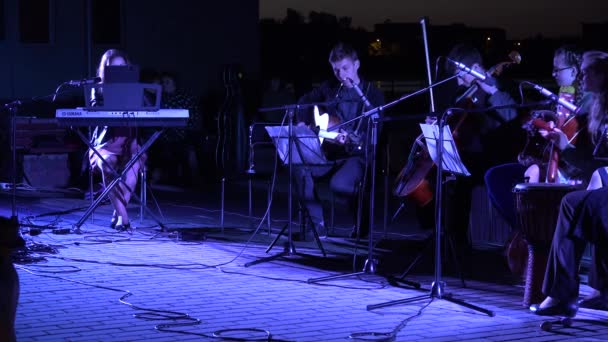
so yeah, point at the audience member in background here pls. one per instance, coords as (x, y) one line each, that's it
(177, 162)
(276, 95)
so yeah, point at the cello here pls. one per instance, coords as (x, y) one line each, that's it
(412, 181)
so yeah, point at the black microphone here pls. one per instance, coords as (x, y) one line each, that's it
(361, 95)
(545, 92)
(482, 77)
(84, 81)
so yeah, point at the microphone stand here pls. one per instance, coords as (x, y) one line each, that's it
(370, 265)
(596, 150)
(12, 108)
(289, 248)
(16, 235)
(438, 285)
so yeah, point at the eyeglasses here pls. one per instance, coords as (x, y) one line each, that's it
(556, 70)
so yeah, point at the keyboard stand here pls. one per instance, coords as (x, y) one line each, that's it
(119, 178)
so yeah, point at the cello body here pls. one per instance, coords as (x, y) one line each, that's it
(412, 181)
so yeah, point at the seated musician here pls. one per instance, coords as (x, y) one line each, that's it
(583, 216)
(475, 135)
(349, 149)
(567, 74)
(116, 145)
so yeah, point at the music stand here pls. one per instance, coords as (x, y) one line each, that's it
(445, 155)
(295, 145)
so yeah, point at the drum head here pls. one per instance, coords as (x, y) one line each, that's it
(546, 187)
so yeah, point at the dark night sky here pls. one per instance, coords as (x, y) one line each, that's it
(521, 18)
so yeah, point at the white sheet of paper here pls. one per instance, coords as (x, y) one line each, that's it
(451, 159)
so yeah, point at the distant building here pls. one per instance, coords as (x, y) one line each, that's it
(594, 35)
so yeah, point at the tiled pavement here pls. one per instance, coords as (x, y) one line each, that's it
(74, 294)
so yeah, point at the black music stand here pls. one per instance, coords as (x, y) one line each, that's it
(444, 153)
(295, 146)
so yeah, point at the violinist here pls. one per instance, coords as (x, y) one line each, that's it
(473, 133)
(578, 159)
(583, 215)
(348, 149)
(567, 74)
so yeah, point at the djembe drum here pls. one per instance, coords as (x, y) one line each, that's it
(537, 207)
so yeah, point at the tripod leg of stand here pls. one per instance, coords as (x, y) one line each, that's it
(397, 302)
(427, 244)
(398, 211)
(276, 239)
(467, 305)
(318, 240)
(143, 192)
(270, 258)
(339, 276)
(145, 208)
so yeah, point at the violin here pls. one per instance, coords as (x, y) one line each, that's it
(564, 120)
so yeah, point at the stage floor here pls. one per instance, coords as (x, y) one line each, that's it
(195, 274)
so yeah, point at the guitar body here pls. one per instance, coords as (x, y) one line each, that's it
(323, 122)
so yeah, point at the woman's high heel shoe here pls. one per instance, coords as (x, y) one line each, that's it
(114, 221)
(123, 227)
(561, 309)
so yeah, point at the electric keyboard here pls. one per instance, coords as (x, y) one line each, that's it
(160, 118)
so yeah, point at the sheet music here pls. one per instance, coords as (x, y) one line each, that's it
(306, 147)
(451, 159)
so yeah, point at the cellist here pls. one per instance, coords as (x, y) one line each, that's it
(472, 139)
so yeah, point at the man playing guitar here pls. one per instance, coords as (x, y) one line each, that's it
(346, 96)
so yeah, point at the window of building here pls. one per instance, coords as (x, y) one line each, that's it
(34, 21)
(106, 21)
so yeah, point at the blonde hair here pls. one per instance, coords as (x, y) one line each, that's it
(106, 59)
(597, 63)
